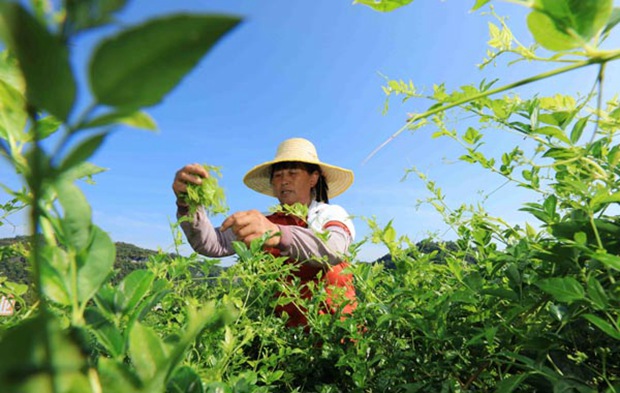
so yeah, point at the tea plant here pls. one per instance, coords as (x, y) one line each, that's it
(536, 309)
(503, 308)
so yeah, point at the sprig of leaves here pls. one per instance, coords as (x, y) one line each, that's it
(208, 194)
(300, 211)
(297, 209)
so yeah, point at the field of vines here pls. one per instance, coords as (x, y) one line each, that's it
(508, 309)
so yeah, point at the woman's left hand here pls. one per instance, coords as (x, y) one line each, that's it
(251, 224)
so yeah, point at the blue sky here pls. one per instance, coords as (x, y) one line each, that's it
(311, 69)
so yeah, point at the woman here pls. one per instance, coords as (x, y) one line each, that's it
(316, 244)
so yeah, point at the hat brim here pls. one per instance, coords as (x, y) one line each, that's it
(338, 179)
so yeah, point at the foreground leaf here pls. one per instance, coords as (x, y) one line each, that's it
(139, 66)
(28, 369)
(566, 24)
(383, 5)
(132, 289)
(136, 119)
(43, 59)
(147, 352)
(603, 325)
(95, 264)
(564, 289)
(13, 117)
(76, 222)
(85, 14)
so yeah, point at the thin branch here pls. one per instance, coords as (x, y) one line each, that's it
(601, 57)
(599, 100)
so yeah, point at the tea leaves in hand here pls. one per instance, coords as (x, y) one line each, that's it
(208, 194)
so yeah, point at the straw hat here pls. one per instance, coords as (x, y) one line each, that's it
(299, 150)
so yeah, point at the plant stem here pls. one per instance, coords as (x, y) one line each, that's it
(599, 100)
(35, 182)
(595, 230)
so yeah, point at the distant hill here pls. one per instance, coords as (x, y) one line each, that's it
(15, 267)
(12, 264)
(427, 247)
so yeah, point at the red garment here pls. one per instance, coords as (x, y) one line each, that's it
(338, 285)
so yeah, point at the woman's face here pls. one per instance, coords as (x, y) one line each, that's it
(293, 185)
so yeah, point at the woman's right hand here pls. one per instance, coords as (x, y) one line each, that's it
(192, 173)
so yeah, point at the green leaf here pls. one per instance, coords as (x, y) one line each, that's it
(13, 117)
(16, 288)
(185, 380)
(132, 289)
(383, 5)
(76, 222)
(198, 319)
(609, 260)
(564, 289)
(24, 366)
(147, 351)
(54, 270)
(589, 16)
(139, 66)
(95, 264)
(511, 383)
(601, 197)
(614, 19)
(560, 153)
(83, 170)
(218, 387)
(596, 293)
(546, 34)
(85, 14)
(389, 234)
(552, 132)
(46, 127)
(81, 152)
(10, 72)
(116, 377)
(479, 4)
(108, 336)
(566, 24)
(578, 128)
(137, 119)
(147, 304)
(471, 136)
(548, 118)
(605, 326)
(43, 59)
(105, 301)
(242, 251)
(549, 206)
(513, 274)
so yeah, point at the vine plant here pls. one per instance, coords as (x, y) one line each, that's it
(558, 321)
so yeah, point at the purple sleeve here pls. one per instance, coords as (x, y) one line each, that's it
(303, 245)
(203, 237)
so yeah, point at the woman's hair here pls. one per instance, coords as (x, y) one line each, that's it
(319, 191)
